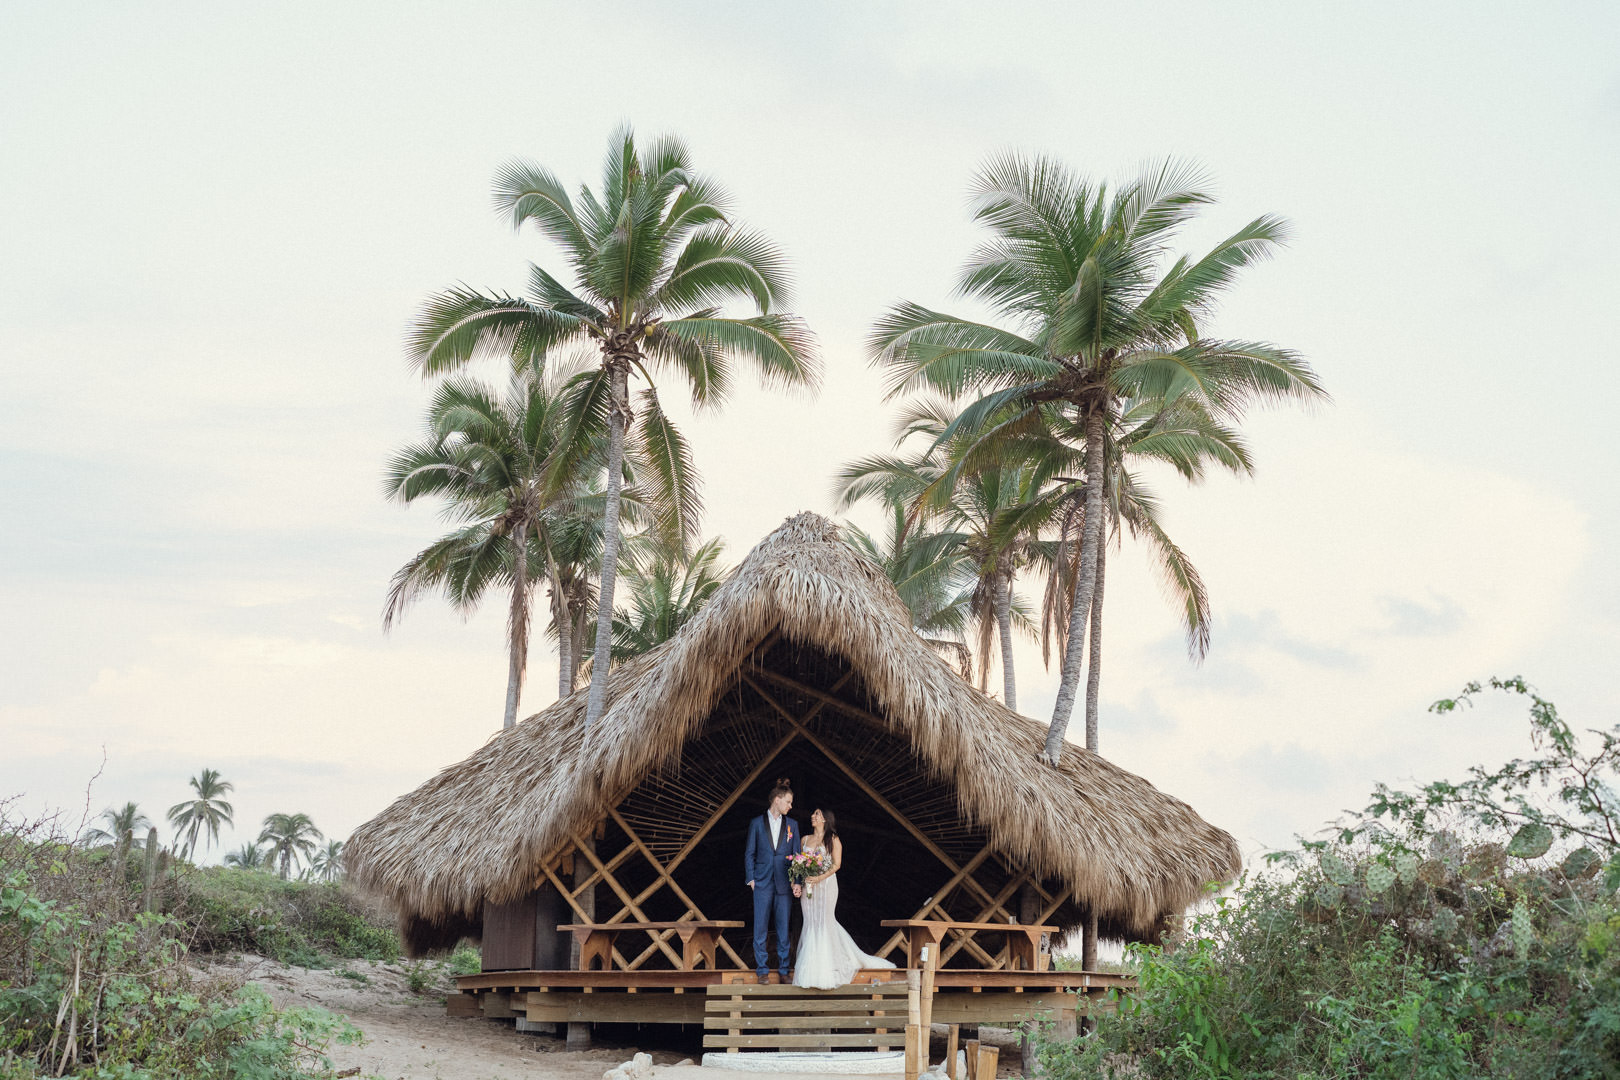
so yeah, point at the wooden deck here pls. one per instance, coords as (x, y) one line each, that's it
(945, 979)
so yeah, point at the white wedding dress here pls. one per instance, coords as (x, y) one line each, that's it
(828, 956)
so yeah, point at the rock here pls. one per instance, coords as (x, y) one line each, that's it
(685, 1061)
(640, 1065)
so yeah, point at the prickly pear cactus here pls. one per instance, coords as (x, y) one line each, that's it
(1523, 933)
(1328, 895)
(1583, 862)
(1530, 842)
(1444, 923)
(1446, 848)
(1432, 872)
(1406, 867)
(1337, 869)
(1485, 862)
(1379, 878)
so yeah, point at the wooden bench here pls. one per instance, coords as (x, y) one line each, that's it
(698, 939)
(1023, 939)
(781, 1017)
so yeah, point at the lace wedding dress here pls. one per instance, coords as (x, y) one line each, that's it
(828, 956)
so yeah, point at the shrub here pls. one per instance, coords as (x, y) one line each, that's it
(92, 986)
(296, 922)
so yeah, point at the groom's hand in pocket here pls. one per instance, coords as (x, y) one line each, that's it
(750, 886)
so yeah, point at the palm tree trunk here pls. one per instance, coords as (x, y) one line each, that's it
(1094, 672)
(618, 413)
(517, 625)
(1009, 689)
(579, 608)
(1084, 583)
(562, 619)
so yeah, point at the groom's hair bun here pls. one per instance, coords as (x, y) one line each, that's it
(782, 788)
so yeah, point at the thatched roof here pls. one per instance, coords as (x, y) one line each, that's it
(480, 827)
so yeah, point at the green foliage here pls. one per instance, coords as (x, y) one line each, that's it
(466, 960)
(1423, 943)
(91, 986)
(296, 922)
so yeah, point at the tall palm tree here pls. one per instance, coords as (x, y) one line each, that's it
(1096, 317)
(491, 459)
(655, 257)
(932, 576)
(247, 857)
(994, 514)
(291, 837)
(121, 826)
(327, 863)
(665, 589)
(208, 811)
(572, 543)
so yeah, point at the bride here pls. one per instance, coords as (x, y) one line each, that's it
(828, 956)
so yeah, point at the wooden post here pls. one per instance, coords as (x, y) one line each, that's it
(950, 1052)
(972, 1048)
(914, 1051)
(579, 1033)
(987, 1062)
(149, 879)
(930, 959)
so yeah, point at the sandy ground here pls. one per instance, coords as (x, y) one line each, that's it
(408, 1036)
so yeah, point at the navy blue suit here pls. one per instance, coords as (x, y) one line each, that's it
(766, 866)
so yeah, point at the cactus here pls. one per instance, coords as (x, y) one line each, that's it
(1328, 895)
(1432, 873)
(1523, 932)
(1336, 869)
(1485, 862)
(1379, 878)
(1583, 862)
(1406, 867)
(1444, 923)
(1531, 841)
(1446, 848)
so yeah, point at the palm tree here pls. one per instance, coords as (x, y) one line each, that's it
(655, 258)
(122, 825)
(247, 857)
(327, 864)
(208, 810)
(291, 837)
(994, 516)
(1096, 319)
(573, 551)
(664, 590)
(490, 458)
(932, 576)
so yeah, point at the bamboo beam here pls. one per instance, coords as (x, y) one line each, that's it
(635, 909)
(665, 877)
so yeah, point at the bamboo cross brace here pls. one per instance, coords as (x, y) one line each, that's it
(583, 915)
(936, 901)
(860, 781)
(965, 941)
(613, 883)
(665, 877)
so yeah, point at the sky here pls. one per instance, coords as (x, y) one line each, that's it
(217, 222)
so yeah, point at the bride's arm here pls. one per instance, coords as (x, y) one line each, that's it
(837, 859)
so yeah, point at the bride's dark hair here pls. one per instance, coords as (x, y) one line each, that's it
(829, 824)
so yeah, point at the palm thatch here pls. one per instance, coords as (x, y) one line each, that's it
(479, 830)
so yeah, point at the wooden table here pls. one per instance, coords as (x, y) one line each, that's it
(698, 939)
(1023, 939)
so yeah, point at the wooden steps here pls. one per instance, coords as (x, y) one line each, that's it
(870, 1016)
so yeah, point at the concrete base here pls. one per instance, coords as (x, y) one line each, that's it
(579, 1036)
(536, 1027)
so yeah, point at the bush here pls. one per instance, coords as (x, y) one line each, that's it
(92, 986)
(1462, 931)
(295, 922)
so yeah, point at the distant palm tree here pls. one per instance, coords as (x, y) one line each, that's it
(122, 825)
(327, 863)
(248, 857)
(492, 459)
(655, 259)
(664, 591)
(933, 577)
(291, 837)
(1096, 317)
(208, 810)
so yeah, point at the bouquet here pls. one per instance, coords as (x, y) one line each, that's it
(805, 865)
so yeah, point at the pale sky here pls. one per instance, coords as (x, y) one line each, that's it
(216, 222)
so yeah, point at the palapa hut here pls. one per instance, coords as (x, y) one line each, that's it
(803, 664)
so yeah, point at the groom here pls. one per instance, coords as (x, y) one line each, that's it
(772, 837)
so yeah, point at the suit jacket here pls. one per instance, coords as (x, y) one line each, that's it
(764, 864)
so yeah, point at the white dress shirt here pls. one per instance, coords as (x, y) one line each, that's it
(776, 829)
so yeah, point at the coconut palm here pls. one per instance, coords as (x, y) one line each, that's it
(491, 459)
(572, 549)
(664, 589)
(994, 515)
(121, 826)
(932, 576)
(207, 812)
(327, 862)
(247, 857)
(291, 837)
(655, 258)
(1095, 318)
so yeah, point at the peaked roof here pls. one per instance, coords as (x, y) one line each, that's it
(480, 827)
